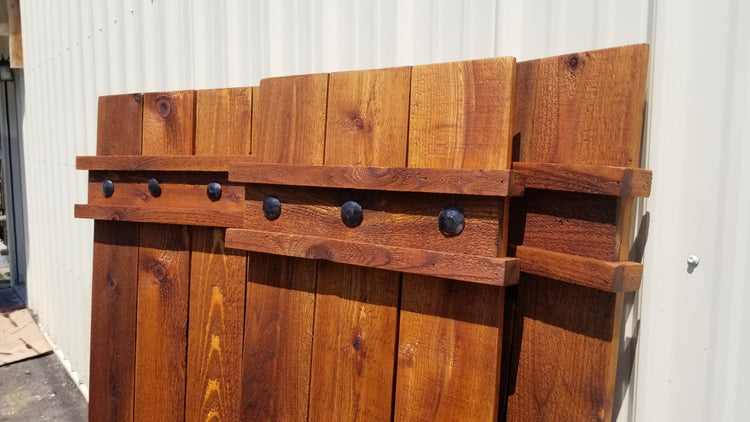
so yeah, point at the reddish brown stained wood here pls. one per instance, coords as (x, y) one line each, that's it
(163, 215)
(477, 269)
(462, 323)
(114, 293)
(114, 284)
(368, 117)
(602, 180)
(460, 118)
(583, 109)
(357, 308)
(15, 40)
(395, 219)
(397, 179)
(461, 114)
(223, 121)
(163, 286)
(278, 338)
(168, 123)
(255, 132)
(589, 272)
(280, 290)
(217, 311)
(192, 163)
(292, 129)
(120, 124)
(355, 343)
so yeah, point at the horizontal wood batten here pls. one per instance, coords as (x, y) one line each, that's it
(589, 272)
(200, 163)
(603, 180)
(476, 269)
(164, 215)
(399, 179)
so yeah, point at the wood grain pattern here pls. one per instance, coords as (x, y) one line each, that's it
(223, 121)
(114, 295)
(217, 283)
(255, 131)
(395, 219)
(163, 215)
(292, 129)
(600, 180)
(192, 163)
(168, 123)
(164, 274)
(280, 290)
(368, 117)
(357, 308)
(460, 118)
(114, 284)
(354, 350)
(461, 114)
(473, 268)
(583, 108)
(15, 39)
(277, 349)
(163, 284)
(448, 353)
(119, 125)
(394, 179)
(589, 272)
(217, 312)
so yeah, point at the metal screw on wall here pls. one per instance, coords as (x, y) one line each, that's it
(214, 191)
(351, 214)
(108, 188)
(451, 221)
(154, 188)
(272, 208)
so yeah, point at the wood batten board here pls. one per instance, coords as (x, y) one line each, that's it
(460, 118)
(223, 123)
(114, 283)
(578, 109)
(357, 308)
(280, 298)
(164, 273)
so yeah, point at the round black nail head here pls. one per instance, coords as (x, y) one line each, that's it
(272, 208)
(214, 191)
(154, 188)
(451, 221)
(351, 214)
(108, 188)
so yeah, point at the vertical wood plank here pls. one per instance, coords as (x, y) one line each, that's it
(280, 297)
(217, 276)
(223, 121)
(583, 108)
(450, 334)
(292, 129)
(217, 312)
(164, 273)
(114, 283)
(15, 39)
(356, 308)
(120, 125)
(163, 284)
(255, 132)
(168, 123)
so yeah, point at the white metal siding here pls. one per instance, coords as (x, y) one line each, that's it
(692, 326)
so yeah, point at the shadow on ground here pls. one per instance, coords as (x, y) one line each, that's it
(39, 389)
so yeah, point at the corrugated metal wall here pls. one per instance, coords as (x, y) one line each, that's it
(692, 325)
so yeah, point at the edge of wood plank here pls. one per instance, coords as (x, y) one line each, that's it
(163, 215)
(621, 276)
(201, 163)
(402, 179)
(472, 268)
(603, 180)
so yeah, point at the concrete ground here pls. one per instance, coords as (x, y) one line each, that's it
(39, 389)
